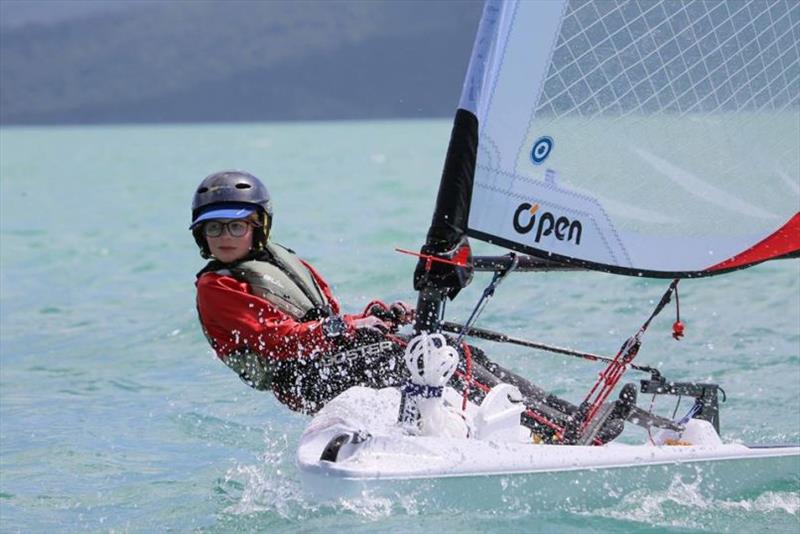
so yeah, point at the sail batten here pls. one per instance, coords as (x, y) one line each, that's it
(657, 138)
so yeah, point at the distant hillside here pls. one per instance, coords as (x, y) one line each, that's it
(183, 61)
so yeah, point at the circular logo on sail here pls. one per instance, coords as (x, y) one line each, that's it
(541, 149)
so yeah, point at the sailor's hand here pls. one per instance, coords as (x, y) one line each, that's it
(371, 324)
(402, 312)
(396, 315)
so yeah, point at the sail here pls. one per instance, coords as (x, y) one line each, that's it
(656, 138)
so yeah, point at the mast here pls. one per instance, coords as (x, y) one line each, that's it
(446, 238)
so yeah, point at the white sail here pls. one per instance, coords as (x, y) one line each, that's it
(654, 137)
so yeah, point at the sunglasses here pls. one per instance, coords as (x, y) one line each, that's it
(235, 228)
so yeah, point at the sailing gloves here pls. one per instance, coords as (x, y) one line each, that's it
(397, 314)
(402, 312)
(372, 324)
(378, 320)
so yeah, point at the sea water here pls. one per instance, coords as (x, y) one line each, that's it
(116, 417)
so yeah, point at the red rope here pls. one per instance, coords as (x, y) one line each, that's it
(544, 421)
(608, 379)
(463, 376)
(468, 380)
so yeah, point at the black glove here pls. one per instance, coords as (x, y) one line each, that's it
(402, 313)
(396, 315)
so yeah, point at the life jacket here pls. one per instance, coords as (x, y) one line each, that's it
(278, 276)
(306, 383)
(282, 280)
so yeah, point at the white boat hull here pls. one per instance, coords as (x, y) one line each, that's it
(387, 456)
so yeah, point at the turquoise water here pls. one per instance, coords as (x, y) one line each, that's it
(115, 416)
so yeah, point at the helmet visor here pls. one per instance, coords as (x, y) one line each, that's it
(224, 212)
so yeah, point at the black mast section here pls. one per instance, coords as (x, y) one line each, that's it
(447, 234)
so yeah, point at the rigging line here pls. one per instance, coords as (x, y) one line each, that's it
(677, 405)
(498, 277)
(611, 375)
(677, 326)
(665, 299)
(499, 337)
(468, 376)
(696, 408)
(649, 427)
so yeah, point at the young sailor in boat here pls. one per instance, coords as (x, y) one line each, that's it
(272, 318)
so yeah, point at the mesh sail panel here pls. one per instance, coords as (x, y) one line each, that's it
(676, 56)
(654, 137)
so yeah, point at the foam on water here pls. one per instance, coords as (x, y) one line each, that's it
(271, 487)
(265, 486)
(684, 505)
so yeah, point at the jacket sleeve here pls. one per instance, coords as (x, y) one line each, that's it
(326, 290)
(234, 319)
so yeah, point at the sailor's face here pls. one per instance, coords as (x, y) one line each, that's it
(229, 240)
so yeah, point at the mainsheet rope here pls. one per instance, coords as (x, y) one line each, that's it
(488, 293)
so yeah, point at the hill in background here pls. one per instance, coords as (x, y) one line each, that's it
(180, 61)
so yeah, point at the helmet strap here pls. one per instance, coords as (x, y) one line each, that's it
(261, 232)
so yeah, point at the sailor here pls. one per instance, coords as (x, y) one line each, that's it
(272, 318)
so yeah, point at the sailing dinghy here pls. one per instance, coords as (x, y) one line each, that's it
(650, 139)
